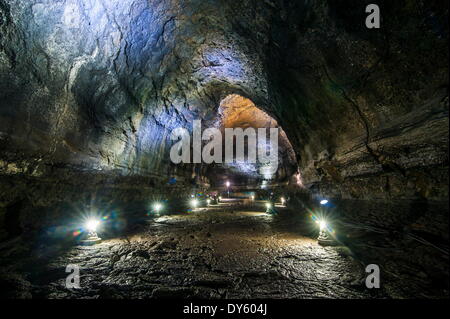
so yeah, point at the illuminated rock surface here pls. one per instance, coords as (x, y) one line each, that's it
(228, 251)
(90, 91)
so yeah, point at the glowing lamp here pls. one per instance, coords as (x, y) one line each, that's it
(324, 236)
(323, 202)
(157, 207)
(92, 225)
(268, 205)
(228, 189)
(194, 203)
(252, 197)
(208, 201)
(322, 225)
(283, 200)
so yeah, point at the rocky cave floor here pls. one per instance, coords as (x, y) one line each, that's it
(225, 251)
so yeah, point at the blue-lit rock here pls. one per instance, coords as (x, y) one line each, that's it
(91, 89)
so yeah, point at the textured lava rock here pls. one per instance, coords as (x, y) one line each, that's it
(90, 91)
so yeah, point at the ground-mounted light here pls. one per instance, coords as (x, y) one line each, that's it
(322, 224)
(270, 208)
(157, 207)
(208, 202)
(194, 203)
(323, 202)
(252, 197)
(220, 198)
(91, 226)
(283, 201)
(324, 234)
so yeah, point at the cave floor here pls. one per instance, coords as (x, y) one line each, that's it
(219, 252)
(231, 250)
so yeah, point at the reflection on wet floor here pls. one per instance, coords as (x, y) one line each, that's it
(230, 250)
(223, 251)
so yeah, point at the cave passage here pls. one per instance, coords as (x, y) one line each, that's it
(229, 250)
(238, 112)
(341, 188)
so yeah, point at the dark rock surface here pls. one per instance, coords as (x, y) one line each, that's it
(247, 254)
(232, 252)
(99, 85)
(90, 91)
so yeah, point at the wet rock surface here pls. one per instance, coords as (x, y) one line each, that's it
(223, 252)
(91, 90)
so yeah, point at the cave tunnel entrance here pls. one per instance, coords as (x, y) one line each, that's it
(238, 112)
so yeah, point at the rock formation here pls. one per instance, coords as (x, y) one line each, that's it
(90, 91)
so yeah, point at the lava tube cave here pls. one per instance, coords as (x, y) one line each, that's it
(217, 149)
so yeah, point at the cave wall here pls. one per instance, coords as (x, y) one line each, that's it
(366, 109)
(90, 91)
(101, 84)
